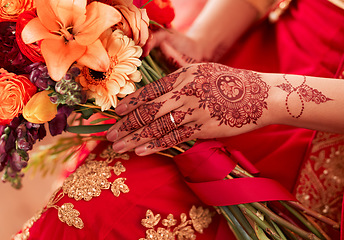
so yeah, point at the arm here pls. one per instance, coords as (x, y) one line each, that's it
(307, 102)
(220, 24)
(211, 100)
(214, 31)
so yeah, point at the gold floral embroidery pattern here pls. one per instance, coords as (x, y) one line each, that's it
(85, 183)
(200, 219)
(67, 214)
(92, 177)
(119, 186)
(321, 180)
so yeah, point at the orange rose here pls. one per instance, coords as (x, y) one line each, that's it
(15, 91)
(40, 109)
(135, 22)
(10, 9)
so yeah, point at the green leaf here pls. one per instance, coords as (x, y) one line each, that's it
(86, 112)
(87, 129)
(100, 120)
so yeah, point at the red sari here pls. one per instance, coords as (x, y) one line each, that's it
(308, 39)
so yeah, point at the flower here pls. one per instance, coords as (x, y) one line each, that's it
(118, 81)
(161, 11)
(15, 90)
(11, 57)
(70, 32)
(39, 108)
(135, 22)
(31, 51)
(10, 9)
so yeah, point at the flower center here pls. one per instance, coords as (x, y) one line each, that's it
(97, 76)
(94, 77)
(67, 33)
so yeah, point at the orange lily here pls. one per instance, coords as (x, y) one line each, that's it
(70, 32)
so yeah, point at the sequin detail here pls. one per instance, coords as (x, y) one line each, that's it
(92, 177)
(69, 215)
(85, 183)
(199, 220)
(321, 182)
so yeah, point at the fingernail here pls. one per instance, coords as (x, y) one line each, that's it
(140, 150)
(112, 135)
(120, 109)
(117, 147)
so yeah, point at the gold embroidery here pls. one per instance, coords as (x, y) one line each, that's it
(85, 183)
(200, 219)
(25, 233)
(67, 214)
(118, 168)
(88, 180)
(109, 154)
(119, 186)
(321, 180)
(92, 177)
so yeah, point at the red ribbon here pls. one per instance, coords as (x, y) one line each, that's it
(206, 164)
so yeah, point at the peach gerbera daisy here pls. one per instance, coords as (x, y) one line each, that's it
(119, 80)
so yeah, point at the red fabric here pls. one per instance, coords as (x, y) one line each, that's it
(205, 166)
(154, 184)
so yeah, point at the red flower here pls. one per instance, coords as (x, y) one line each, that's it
(31, 51)
(160, 11)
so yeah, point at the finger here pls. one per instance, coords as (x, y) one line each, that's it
(179, 135)
(149, 92)
(155, 130)
(141, 116)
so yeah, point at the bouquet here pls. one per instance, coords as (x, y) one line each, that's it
(65, 66)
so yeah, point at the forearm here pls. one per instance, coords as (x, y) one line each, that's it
(220, 24)
(303, 101)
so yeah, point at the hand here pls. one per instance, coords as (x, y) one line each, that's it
(179, 49)
(205, 100)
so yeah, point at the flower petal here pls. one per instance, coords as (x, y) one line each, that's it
(95, 57)
(112, 88)
(99, 17)
(35, 31)
(68, 11)
(46, 12)
(59, 56)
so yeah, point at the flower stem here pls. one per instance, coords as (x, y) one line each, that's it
(242, 220)
(235, 226)
(247, 209)
(314, 214)
(281, 221)
(154, 66)
(302, 219)
(146, 78)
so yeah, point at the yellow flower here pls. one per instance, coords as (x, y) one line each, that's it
(39, 108)
(118, 81)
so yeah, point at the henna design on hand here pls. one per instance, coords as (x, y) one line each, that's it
(157, 88)
(141, 116)
(234, 97)
(305, 93)
(162, 125)
(176, 136)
